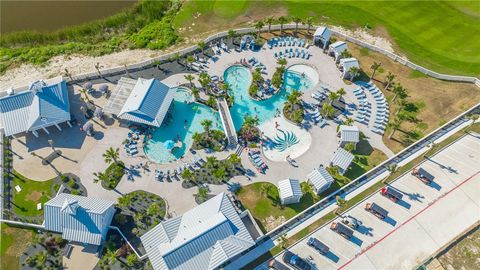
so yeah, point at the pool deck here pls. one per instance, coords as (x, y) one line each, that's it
(83, 155)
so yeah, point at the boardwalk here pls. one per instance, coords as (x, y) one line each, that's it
(227, 122)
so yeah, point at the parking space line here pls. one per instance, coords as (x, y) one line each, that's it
(408, 220)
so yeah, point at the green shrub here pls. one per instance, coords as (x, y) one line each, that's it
(156, 35)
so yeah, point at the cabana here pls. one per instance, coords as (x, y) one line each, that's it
(348, 134)
(320, 179)
(346, 64)
(335, 49)
(289, 191)
(43, 104)
(342, 159)
(321, 37)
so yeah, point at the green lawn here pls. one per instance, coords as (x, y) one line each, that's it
(13, 242)
(25, 202)
(414, 26)
(364, 162)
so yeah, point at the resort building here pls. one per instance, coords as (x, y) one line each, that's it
(335, 49)
(348, 134)
(289, 191)
(41, 105)
(79, 219)
(342, 159)
(321, 37)
(346, 64)
(320, 179)
(203, 238)
(141, 101)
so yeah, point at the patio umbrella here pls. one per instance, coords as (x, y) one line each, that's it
(169, 144)
(88, 85)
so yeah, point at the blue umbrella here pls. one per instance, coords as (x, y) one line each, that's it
(169, 144)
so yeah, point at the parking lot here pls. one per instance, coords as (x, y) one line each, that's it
(427, 217)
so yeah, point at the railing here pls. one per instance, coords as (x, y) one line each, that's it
(227, 121)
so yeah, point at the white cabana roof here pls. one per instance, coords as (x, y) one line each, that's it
(320, 178)
(349, 134)
(348, 63)
(289, 188)
(338, 47)
(342, 158)
(323, 32)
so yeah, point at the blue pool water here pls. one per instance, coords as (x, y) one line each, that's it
(239, 78)
(175, 128)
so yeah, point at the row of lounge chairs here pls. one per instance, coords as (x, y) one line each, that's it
(256, 159)
(382, 112)
(168, 175)
(132, 141)
(256, 64)
(291, 53)
(317, 118)
(288, 41)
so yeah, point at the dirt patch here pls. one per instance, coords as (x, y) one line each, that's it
(34, 196)
(272, 222)
(464, 255)
(379, 37)
(20, 241)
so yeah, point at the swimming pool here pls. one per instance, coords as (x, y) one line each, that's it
(184, 121)
(239, 78)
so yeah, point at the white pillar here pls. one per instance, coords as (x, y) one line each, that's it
(69, 124)
(35, 133)
(60, 129)
(44, 129)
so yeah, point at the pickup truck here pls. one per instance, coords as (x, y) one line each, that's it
(351, 222)
(341, 229)
(318, 245)
(376, 210)
(391, 193)
(295, 261)
(423, 175)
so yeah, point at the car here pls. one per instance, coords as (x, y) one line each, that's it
(351, 222)
(274, 264)
(295, 261)
(318, 245)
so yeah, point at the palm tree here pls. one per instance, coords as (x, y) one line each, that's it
(327, 110)
(294, 97)
(309, 22)
(345, 54)
(350, 147)
(375, 66)
(202, 194)
(85, 93)
(283, 241)
(211, 162)
(234, 158)
(197, 137)
(282, 20)
(177, 57)
(401, 104)
(333, 96)
(202, 46)
(259, 25)
(269, 21)
(187, 175)
(249, 127)
(282, 62)
(97, 67)
(190, 60)
(394, 126)
(474, 118)
(68, 74)
(111, 155)
(296, 20)
(348, 121)
(207, 124)
(353, 72)
(231, 34)
(340, 200)
(99, 176)
(189, 78)
(389, 80)
(399, 91)
(392, 168)
(341, 92)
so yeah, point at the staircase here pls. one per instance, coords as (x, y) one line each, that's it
(227, 122)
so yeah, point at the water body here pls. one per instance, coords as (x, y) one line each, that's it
(44, 16)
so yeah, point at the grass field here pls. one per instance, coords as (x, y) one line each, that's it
(364, 162)
(13, 242)
(33, 192)
(414, 27)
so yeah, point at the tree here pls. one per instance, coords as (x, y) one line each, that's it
(350, 147)
(68, 74)
(389, 80)
(399, 91)
(211, 162)
(353, 72)
(327, 110)
(231, 34)
(474, 117)
(259, 25)
(283, 241)
(177, 57)
(374, 67)
(269, 21)
(85, 93)
(206, 124)
(282, 20)
(202, 46)
(123, 201)
(296, 20)
(187, 175)
(401, 104)
(97, 67)
(282, 62)
(220, 173)
(197, 137)
(189, 78)
(202, 194)
(394, 126)
(249, 127)
(234, 158)
(392, 168)
(348, 121)
(204, 80)
(345, 54)
(132, 259)
(265, 189)
(195, 92)
(100, 176)
(111, 155)
(294, 97)
(341, 92)
(332, 97)
(309, 22)
(190, 60)
(340, 201)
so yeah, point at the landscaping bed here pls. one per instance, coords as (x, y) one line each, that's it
(117, 254)
(112, 175)
(216, 140)
(215, 171)
(71, 184)
(45, 252)
(293, 109)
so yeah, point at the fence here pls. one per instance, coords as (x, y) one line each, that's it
(150, 62)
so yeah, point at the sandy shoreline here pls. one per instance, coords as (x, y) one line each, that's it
(80, 64)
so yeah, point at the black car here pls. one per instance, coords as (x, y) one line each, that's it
(295, 261)
(318, 245)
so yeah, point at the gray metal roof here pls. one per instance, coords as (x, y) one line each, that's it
(338, 46)
(342, 158)
(202, 238)
(320, 178)
(349, 134)
(78, 218)
(45, 103)
(348, 63)
(144, 101)
(323, 32)
(289, 188)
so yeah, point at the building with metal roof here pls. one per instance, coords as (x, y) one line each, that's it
(141, 101)
(320, 179)
(322, 36)
(342, 159)
(349, 134)
(41, 105)
(78, 218)
(346, 64)
(336, 49)
(289, 191)
(203, 238)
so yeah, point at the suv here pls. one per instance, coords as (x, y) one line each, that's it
(295, 261)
